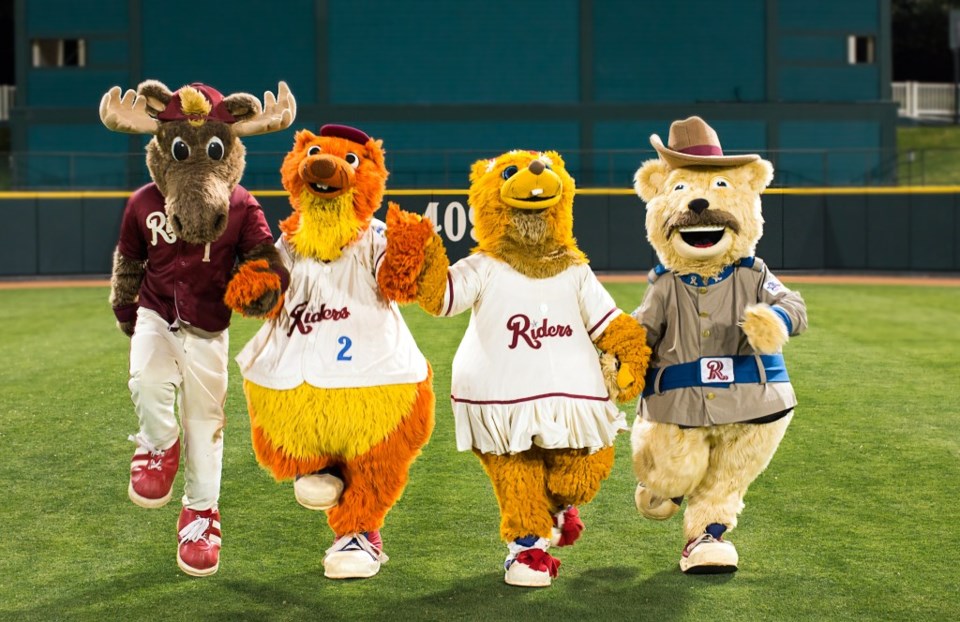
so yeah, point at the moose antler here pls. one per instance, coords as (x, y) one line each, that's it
(278, 113)
(127, 114)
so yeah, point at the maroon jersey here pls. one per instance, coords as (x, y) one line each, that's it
(186, 282)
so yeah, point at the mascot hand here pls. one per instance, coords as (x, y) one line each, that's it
(408, 236)
(127, 327)
(126, 318)
(764, 329)
(619, 378)
(254, 290)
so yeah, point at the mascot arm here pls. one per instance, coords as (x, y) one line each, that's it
(256, 288)
(125, 280)
(625, 340)
(779, 314)
(414, 255)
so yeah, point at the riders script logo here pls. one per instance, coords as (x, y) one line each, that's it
(157, 223)
(300, 317)
(522, 328)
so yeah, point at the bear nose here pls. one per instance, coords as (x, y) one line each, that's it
(322, 167)
(698, 205)
(536, 167)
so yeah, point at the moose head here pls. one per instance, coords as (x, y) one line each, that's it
(196, 157)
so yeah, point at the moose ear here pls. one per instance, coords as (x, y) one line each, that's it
(156, 94)
(649, 178)
(242, 105)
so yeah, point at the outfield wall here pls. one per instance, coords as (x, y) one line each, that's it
(840, 229)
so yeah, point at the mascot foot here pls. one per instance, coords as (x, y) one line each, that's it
(654, 507)
(318, 491)
(151, 473)
(709, 555)
(198, 542)
(529, 564)
(354, 556)
(567, 527)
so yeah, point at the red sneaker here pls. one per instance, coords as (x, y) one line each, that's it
(151, 473)
(566, 526)
(198, 538)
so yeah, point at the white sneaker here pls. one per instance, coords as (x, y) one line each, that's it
(652, 506)
(529, 565)
(353, 557)
(319, 491)
(709, 555)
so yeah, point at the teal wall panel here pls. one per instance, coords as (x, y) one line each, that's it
(471, 51)
(73, 86)
(60, 238)
(101, 229)
(887, 246)
(856, 15)
(931, 217)
(828, 152)
(829, 84)
(813, 48)
(70, 18)
(109, 52)
(770, 247)
(233, 50)
(18, 237)
(679, 51)
(845, 233)
(803, 218)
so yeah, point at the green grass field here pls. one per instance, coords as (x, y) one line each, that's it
(853, 520)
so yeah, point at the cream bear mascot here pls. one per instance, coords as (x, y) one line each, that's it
(717, 398)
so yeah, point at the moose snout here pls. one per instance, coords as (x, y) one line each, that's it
(698, 205)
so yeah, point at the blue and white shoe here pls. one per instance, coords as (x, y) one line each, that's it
(354, 556)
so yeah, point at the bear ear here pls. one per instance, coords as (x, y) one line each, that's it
(760, 174)
(479, 169)
(376, 152)
(649, 178)
(302, 137)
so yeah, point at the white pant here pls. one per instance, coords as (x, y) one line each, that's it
(179, 368)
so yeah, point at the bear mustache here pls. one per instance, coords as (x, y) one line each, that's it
(706, 218)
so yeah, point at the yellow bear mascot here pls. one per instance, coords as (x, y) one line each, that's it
(529, 395)
(717, 399)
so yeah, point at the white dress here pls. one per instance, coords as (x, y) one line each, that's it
(526, 372)
(335, 329)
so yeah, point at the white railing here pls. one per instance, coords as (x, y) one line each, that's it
(6, 100)
(925, 99)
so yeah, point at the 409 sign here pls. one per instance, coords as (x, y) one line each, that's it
(454, 221)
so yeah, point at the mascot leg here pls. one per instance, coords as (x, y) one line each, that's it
(526, 515)
(203, 394)
(740, 453)
(573, 478)
(669, 462)
(373, 483)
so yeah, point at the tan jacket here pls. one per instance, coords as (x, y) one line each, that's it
(697, 323)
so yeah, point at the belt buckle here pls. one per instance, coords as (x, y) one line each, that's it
(717, 370)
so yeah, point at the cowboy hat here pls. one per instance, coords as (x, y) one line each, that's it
(694, 143)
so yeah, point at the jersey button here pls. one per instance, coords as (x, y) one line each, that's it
(706, 333)
(702, 290)
(710, 396)
(704, 314)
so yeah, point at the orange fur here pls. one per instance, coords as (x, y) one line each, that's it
(532, 485)
(626, 339)
(407, 235)
(252, 281)
(432, 284)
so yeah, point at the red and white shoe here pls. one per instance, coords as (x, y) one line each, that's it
(567, 526)
(528, 564)
(198, 541)
(355, 556)
(151, 473)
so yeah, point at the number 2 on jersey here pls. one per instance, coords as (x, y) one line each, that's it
(346, 342)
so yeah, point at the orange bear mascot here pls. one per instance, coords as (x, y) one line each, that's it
(340, 398)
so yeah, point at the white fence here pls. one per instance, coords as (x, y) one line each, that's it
(6, 100)
(925, 99)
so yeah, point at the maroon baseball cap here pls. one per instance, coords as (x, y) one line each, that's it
(345, 131)
(218, 110)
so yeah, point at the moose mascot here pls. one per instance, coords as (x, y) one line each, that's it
(186, 240)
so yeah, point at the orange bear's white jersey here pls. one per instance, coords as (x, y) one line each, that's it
(335, 329)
